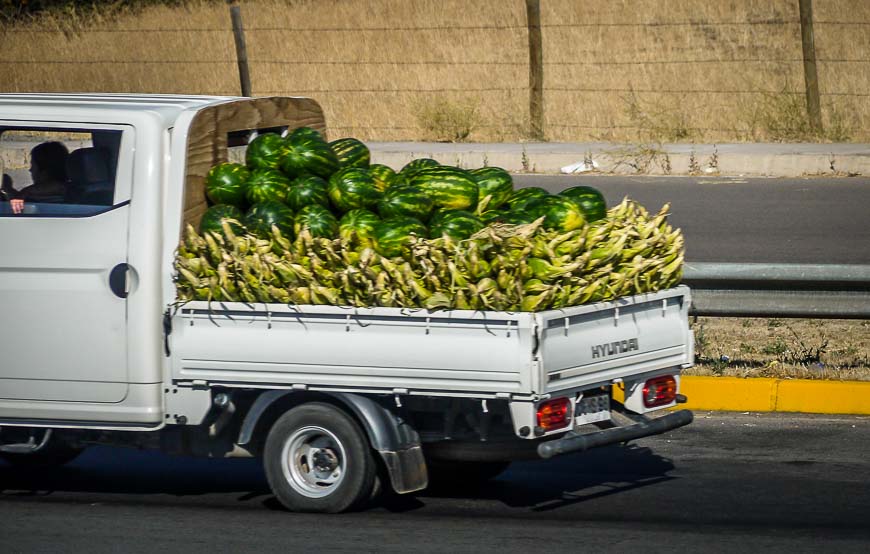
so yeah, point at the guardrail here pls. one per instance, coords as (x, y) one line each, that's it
(779, 290)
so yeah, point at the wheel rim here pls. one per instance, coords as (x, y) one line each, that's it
(314, 462)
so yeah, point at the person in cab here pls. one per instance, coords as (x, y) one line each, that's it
(48, 174)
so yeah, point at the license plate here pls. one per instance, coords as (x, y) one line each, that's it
(591, 409)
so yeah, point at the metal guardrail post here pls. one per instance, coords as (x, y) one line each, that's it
(779, 290)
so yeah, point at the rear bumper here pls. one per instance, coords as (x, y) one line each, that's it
(573, 442)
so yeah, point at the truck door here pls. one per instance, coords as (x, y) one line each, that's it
(63, 312)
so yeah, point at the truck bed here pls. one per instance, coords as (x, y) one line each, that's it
(482, 354)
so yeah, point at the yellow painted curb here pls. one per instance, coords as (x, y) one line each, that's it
(752, 394)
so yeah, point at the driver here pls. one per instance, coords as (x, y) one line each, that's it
(48, 171)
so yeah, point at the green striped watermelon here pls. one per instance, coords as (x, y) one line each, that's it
(591, 201)
(410, 168)
(264, 152)
(494, 182)
(319, 221)
(560, 213)
(351, 152)
(351, 188)
(456, 224)
(304, 133)
(267, 184)
(407, 201)
(262, 215)
(211, 219)
(492, 216)
(308, 156)
(307, 190)
(520, 197)
(392, 235)
(517, 218)
(226, 183)
(450, 187)
(358, 226)
(383, 175)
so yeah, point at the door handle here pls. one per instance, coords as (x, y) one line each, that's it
(118, 280)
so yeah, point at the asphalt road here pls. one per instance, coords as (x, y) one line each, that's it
(726, 483)
(729, 219)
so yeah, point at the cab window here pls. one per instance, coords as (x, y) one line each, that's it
(57, 172)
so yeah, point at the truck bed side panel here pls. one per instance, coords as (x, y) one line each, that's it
(381, 348)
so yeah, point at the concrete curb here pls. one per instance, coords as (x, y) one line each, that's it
(734, 394)
(771, 160)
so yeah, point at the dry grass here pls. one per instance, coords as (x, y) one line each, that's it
(787, 348)
(624, 70)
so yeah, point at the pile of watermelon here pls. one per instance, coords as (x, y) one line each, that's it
(306, 221)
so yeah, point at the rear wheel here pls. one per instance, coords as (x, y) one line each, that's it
(317, 459)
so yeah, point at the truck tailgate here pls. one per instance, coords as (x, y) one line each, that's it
(597, 343)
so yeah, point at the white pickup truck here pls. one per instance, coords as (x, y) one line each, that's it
(337, 401)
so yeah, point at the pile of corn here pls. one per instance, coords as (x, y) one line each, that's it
(502, 267)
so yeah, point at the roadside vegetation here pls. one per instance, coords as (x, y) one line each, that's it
(783, 348)
(458, 70)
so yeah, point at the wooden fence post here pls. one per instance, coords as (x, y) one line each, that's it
(536, 69)
(811, 78)
(241, 48)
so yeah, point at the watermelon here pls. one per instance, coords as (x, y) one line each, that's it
(517, 218)
(536, 206)
(560, 213)
(264, 152)
(392, 235)
(408, 201)
(211, 219)
(307, 190)
(351, 188)
(494, 182)
(383, 175)
(413, 166)
(591, 201)
(226, 184)
(492, 216)
(262, 215)
(520, 197)
(319, 221)
(311, 156)
(267, 184)
(304, 133)
(450, 187)
(351, 152)
(457, 224)
(358, 226)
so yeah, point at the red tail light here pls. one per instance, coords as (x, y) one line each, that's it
(554, 414)
(659, 391)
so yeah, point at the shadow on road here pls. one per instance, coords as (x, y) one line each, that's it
(551, 484)
(123, 471)
(539, 485)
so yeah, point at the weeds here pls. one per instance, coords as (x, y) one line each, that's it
(694, 167)
(713, 162)
(658, 122)
(812, 349)
(642, 158)
(448, 121)
(782, 117)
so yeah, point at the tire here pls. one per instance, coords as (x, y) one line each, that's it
(453, 474)
(317, 459)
